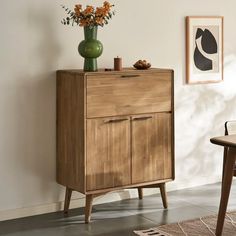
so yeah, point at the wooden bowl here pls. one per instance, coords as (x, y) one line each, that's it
(142, 65)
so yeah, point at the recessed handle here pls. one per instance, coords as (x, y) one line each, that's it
(115, 120)
(129, 76)
(142, 118)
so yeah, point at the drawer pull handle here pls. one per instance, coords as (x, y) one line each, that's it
(142, 118)
(115, 120)
(129, 76)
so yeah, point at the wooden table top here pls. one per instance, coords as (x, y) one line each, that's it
(226, 141)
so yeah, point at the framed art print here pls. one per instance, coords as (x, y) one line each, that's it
(204, 49)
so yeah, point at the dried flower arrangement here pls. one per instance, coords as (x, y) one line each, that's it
(90, 16)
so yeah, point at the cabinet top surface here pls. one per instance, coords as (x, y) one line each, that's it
(125, 70)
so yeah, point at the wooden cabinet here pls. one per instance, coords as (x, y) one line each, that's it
(114, 130)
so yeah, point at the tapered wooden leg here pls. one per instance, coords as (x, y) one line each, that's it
(224, 160)
(88, 207)
(140, 193)
(163, 194)
(225, 190)
(67, 200)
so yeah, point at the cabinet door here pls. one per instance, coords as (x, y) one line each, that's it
(108, 153)
(151, 147)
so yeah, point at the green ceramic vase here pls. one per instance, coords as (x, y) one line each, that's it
(90, 48)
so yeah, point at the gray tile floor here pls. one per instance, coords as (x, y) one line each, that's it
(122, 217)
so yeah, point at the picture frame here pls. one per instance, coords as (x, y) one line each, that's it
(204, 49)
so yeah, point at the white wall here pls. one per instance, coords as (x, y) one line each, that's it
(33, 45)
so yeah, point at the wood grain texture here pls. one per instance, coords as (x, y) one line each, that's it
(108, 153)
(151, 147)
(88, 208)
(67, 200)
(126, 94)
(126, 70)
(70, 131)
(163, 195)
(130, 186)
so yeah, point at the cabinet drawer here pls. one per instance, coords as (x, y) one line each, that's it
(137, 93)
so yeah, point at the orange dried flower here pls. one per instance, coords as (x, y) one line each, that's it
(100, 11)
(107, 5)
(77, 9)
(83, 22)
(99, 20)
(89, 10)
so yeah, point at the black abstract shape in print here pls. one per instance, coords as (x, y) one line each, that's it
(199, 33)
(201, 62)
(209, 45)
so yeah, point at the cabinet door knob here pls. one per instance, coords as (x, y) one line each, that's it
(142, 118)
(115, 120)
(129, 76)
